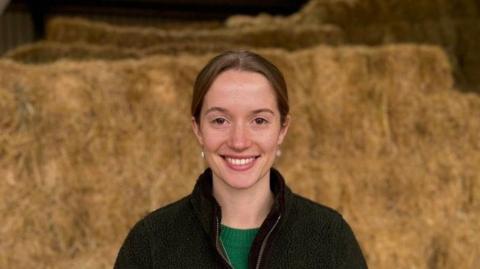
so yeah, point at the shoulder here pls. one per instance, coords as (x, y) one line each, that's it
(151, 234)
(317, 216)
(312, 209)
(169, 210)
(167, 215)
(322, 228)
(159, 224)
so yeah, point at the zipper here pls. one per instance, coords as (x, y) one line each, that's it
(222, 250)
(264, 243)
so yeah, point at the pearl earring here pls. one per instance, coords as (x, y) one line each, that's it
(203, 154)
(279, 153)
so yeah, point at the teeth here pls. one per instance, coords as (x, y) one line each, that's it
(240, 161)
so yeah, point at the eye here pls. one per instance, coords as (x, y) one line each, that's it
(260, 121)
(219, 121)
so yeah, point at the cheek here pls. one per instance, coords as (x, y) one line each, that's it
(268, 142)
(213, 140)
(271, 146)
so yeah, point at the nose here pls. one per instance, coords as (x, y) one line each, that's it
(239, 137)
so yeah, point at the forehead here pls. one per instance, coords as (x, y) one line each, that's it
(235, 88)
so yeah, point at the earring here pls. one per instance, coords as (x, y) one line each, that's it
(279, 153)
(203, 154)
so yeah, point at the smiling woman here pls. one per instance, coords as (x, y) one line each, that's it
(240, 131)
(241, 214)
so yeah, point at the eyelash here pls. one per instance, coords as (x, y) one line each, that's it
(263, 121)
(217, 121)
(222, 121)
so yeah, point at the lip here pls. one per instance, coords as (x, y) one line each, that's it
(240, 167)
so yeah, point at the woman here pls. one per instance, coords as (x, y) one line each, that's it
(240, 213)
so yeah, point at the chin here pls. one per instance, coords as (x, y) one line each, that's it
(241, 180)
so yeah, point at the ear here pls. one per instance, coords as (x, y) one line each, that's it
(197, 131)
(284, 130)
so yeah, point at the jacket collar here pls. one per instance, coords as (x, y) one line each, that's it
(208, 211)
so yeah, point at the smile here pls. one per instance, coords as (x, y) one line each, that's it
(240, 163)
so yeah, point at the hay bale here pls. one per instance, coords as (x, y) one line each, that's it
(378, 133)
(76, 30)
(196, 48)
(453, 25)
(364, 12)
(70, 127)
(45, 52)
(459, 38)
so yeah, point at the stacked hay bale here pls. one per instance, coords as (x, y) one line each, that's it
(50, 51)
(68, 30)
(45, 51)
(78, 144)
(87, 148)
(453, 25)
(81, 39)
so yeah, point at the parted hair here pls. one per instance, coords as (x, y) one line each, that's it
(244, 61)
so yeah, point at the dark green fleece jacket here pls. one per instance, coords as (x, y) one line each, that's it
(297, 233)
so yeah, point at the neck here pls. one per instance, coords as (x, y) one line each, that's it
(244, 208)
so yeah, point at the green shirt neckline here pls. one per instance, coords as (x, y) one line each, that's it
(237, 244)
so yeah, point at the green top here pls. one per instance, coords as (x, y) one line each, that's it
(237, 243)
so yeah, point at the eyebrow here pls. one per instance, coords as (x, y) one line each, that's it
(216, 108)
(223, 110)
(263, 110)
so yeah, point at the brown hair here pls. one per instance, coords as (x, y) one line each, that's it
(245, 61)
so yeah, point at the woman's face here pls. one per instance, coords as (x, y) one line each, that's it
(240, 128)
